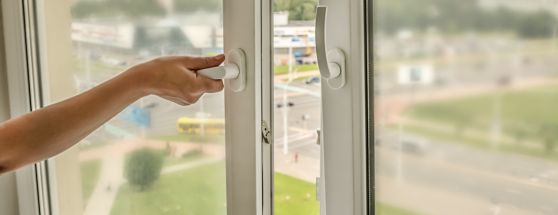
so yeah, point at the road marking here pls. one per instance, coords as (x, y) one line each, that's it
(296, 139)
(290, 137)
(303, 144)
(298, 89)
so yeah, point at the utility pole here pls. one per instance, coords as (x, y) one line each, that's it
(496, 124)
(286, 105)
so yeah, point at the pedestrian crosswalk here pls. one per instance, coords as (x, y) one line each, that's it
(301, 143)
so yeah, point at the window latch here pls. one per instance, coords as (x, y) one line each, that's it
(266, 133)
(319, 132)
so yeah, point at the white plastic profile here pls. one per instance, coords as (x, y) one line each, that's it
(332, 63)
(234, 70)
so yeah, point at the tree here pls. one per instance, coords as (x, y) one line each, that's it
(536, 25)
(298, 9)
(143, 167)
(117, 8)
(186, 6)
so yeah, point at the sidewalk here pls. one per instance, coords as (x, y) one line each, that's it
(105, 191)
(306, 168)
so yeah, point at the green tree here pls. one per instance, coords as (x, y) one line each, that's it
(185, 6)
(536, 25)
(117, 8)
(298, 9)
(143, 167)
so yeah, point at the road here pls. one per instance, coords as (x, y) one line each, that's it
(527, 183)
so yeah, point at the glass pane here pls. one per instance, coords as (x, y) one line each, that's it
(155, 157)
(297, 110)
(466, 93)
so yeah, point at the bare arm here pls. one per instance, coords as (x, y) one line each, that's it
(51, 130)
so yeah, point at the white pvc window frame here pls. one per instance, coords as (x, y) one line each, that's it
(250, 161)
(22, 40)
(344, 115)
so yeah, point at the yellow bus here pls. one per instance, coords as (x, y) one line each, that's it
(193, 125)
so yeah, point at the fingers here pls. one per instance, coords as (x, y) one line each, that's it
(197, 63)
(209, 85)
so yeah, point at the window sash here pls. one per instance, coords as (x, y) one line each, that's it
(26, 41)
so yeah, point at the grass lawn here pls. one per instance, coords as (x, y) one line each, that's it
(294, 196)
(202, 190)
(89, 176)
(93, 146)
(195, 191)
(527, 114)
(479, 142)
(385, 209)
(191, 138)
(284, 69)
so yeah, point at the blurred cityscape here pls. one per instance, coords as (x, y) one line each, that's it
(465, 96)
(464, 107)
(158, 157)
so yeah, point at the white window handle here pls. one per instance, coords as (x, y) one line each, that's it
(230, 71)
(332, 63)
(234, 70)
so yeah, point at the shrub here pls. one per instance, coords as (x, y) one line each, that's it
(143, 167)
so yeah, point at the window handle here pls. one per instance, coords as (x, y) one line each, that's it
(331, 63)
(234, 70)
(230, 71)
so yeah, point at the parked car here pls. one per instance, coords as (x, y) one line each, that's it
(281, 104)
(312, 80)
(414, 145)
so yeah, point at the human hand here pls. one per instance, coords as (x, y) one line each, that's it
(174, 78)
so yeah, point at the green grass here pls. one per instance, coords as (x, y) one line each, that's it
(386, 209)
(175, 161)
(93, 146)
(191, 138)
(284, 69)
(479, 142)
(529, 114)
(199, 190)
(294, 196)
(90, 171)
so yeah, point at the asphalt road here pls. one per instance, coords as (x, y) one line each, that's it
(524, 182)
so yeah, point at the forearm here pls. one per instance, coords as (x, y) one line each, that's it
(48, 131)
